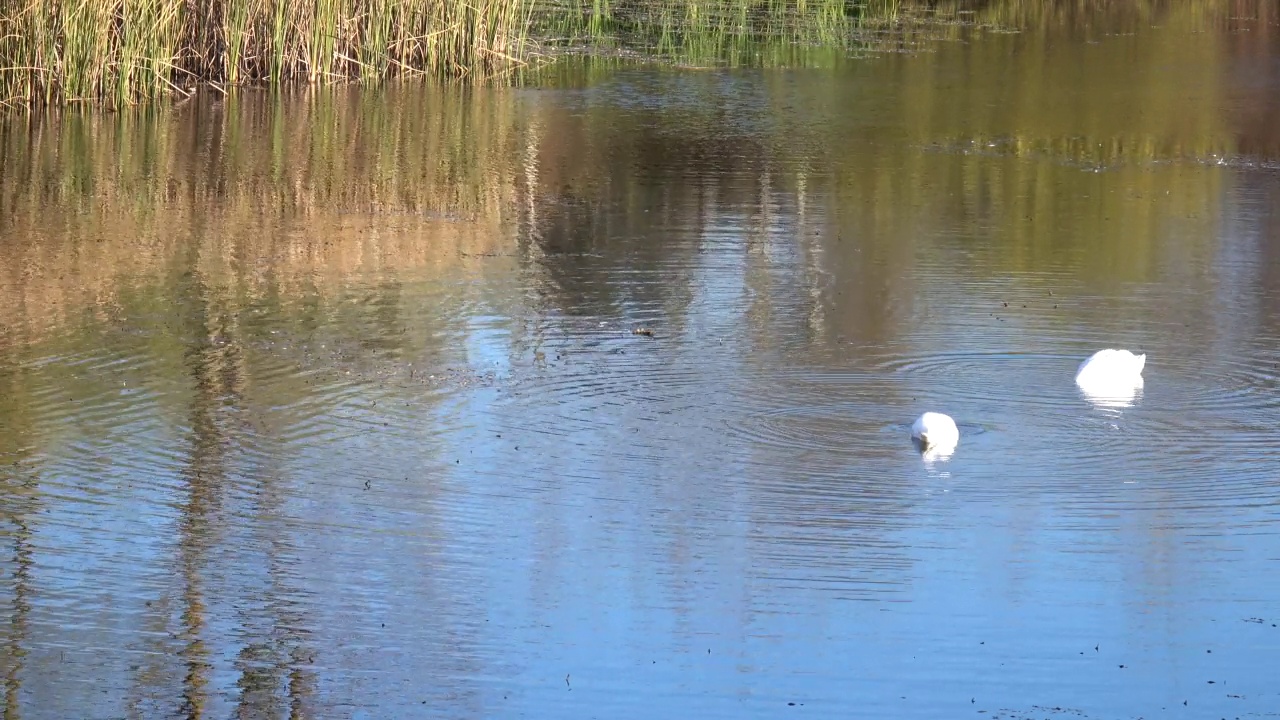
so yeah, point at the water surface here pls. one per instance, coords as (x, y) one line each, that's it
(330, 404)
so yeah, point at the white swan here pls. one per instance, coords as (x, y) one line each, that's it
(936, 432)
(1111, 378)
(1111, 366)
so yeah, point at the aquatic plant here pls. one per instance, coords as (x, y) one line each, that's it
(121, 52)
(697, 31)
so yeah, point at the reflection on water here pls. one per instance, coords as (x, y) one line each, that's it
(332, 406)
(1114, 396)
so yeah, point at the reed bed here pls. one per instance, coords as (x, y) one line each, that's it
(123, 52)
(279, 192)
(701, 30)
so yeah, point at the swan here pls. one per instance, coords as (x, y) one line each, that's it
(1111, 378)
(1119, 368)
(936, 432)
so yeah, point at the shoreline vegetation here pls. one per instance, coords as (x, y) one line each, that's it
(270, 198)
(121, 53)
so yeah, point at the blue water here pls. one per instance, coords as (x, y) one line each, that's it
(294, 455)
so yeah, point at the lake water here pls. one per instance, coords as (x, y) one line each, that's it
(331, 404)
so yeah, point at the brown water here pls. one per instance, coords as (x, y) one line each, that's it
(329, 405)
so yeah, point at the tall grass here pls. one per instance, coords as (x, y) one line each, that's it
(698, 30)
(784, 32)
(122, 52)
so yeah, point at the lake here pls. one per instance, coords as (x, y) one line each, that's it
(590, 397)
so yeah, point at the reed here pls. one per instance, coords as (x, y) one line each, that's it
(122, 52)
(769, 32)
(726, 31)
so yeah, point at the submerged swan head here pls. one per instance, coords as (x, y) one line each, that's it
(937, 433)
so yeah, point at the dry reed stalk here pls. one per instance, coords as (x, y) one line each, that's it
(123, 52)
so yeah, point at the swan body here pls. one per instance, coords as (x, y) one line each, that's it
(936, 431)
(1119, 368)
(1111, 378)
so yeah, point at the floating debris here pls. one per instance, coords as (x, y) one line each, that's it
(642, 331)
